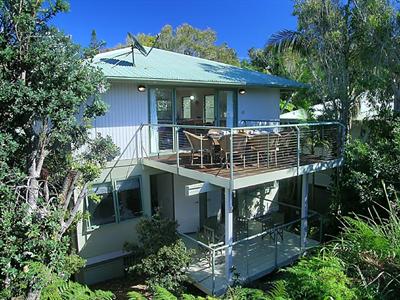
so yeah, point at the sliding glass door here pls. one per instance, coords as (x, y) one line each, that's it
(226, 109)
(161, 112)
(187, 106)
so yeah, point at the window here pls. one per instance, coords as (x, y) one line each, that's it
(186, 107)
(164, 105)
(102, 210)
(113, 206)
(209, 112)
(129, 200)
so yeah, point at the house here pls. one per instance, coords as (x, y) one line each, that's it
(201, 143)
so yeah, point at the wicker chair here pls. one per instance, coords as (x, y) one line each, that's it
(201, 146)
(265, 145)
(239, 147)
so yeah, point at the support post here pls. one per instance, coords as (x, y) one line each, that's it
(176, 137)
(304, 212)
(298, 149)
(228, 234)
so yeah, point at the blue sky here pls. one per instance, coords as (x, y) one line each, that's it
(241, 23)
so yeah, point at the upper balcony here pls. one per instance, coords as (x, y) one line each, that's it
(242, 156)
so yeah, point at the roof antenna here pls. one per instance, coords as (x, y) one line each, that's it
(134, 44)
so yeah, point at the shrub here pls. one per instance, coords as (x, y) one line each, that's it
(166, 267)
(319, 277)
(160, 256)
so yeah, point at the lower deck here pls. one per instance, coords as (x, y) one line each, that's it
(251, 260)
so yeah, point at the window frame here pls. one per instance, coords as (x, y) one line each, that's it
(116, 199)
(183, 107)
(117, 219)
(204, 108)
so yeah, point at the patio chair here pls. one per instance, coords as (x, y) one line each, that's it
(288, 143)
(239, 147)
(200, 145)
(272, 225)
(265, 145)
(208, 237)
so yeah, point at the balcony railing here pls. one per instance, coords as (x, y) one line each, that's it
(259, 252)
(243, 151)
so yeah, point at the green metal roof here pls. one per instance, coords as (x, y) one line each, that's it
(170, 67)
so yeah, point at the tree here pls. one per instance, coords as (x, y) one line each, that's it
(332, 37)
(48, 96)
(189, 40)
(367, 163)
(95, 45)
(288, 64)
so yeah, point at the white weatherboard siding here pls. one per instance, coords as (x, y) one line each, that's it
(128, 108)
(259, 104)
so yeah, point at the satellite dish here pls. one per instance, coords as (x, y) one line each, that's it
(134, 44)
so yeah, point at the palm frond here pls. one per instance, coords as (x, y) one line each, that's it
(287, 39)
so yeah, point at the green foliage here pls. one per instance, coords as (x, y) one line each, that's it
(155, 233)
(69, 290)
(161, 293)
(192, 41)
(166, 267)
(161, 257)
(287, 64)
(366, 164)
(276, 292)
(135, 296)
(336, 43)
(49, 94)
(240, 293)
(370, 246)
(319, 277)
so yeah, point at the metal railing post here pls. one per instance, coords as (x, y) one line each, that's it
(141, 144)
(201, 151)
(276, 247)
(137, 147)
(298, 150)
(213, 272)
(176, 137)
(231, 164)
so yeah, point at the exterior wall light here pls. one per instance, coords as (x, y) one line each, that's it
(242, 91)
(141, 88)
(192, 98)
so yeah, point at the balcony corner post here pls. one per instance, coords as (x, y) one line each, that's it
(176, 137)
(304, 213)
(228, 234)
(298, 149)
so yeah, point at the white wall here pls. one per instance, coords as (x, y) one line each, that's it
(128, 108)
(187, 211)
(259, 104)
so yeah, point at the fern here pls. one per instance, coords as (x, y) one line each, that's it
(70, 290)
(278, 291)
(135, 296)
(161, 293)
